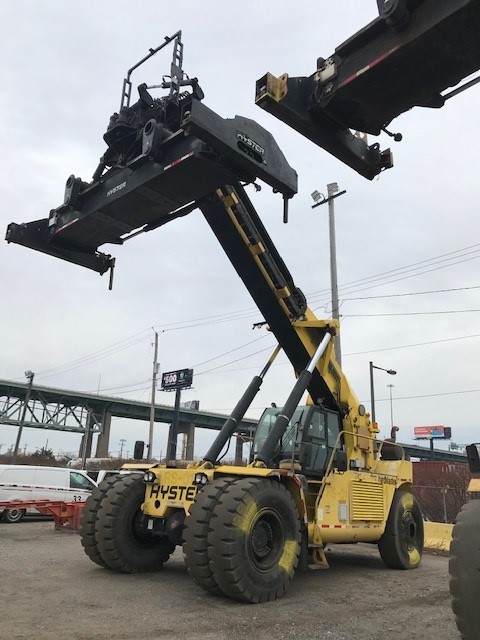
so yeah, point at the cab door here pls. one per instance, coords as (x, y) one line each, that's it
(319, 435)
(80, 487)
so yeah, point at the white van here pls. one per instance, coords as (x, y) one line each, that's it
(101, 474)
(24, 482)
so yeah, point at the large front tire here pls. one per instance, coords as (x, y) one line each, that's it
(89, 519)
(254, 540)
(464, 570)
(195, 534)
(122, 542)
(401, 545)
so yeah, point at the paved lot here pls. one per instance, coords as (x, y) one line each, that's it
(49, 589)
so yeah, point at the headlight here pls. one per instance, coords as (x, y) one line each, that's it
(149, 477)
(200, 479)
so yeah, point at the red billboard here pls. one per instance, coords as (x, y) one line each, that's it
(427, 433)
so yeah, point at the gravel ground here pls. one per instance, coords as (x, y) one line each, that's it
(49, 589)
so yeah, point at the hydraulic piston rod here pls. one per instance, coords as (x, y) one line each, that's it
(239, 411)
(283, 418)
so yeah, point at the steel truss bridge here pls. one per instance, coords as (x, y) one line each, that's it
(89, 414)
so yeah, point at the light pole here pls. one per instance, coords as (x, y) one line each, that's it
(372, 392)
(390, 386)
(152, 400)
(319, 199)
(29, 375)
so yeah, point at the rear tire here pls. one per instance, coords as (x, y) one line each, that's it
(464, 570)
(401, 545)
(12, 516)
(122, 542)
(254, 540)
(89, 519)
(197, 526)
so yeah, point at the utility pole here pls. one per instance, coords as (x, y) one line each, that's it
(331, 189)
(152, 405)
(173, 432)
(319, 198)
(86, 439)
(30, 375)
(122, 443)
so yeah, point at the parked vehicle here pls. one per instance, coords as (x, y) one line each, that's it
(25, 482)
(100, 474)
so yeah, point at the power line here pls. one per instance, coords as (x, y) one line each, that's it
(125, 386)
(431, 395)
(413, 266)
(409, 313)
(262, 337)
(356, 286)
(246, 313)
(93, 357)
(356, 353)
(415, 344)
(372, 286)
(233, 361)
(413, 293)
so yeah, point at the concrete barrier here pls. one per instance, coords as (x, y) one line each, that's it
(437, 536)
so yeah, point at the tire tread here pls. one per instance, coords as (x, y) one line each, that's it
(464, 568)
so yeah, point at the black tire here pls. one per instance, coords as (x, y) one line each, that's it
(464, 570)
(255, 540)
(122, 544)
(195, 534)
(89, 518)
(12, 516)
(401, 545)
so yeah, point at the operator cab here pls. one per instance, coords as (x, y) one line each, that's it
(309, 439)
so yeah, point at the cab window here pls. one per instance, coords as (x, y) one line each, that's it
(316, 428)
(316, 437)
(79, 481)
(333, 428)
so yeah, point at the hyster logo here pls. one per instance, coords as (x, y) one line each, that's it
(173, 493)
(119, 187)
(251, 144)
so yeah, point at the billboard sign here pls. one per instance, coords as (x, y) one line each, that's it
(432, 432)
(180, 379)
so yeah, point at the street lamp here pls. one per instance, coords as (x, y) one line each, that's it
(29, 375)
(372, 393)
(319, 199)
(390, 386)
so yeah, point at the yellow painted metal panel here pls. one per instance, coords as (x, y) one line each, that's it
(474, 485)
(366, 500)
(438, 536)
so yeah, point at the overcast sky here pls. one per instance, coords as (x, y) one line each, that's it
(414, 230)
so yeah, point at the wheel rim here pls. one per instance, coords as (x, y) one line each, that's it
(137, 529)
(266, 540)
(409, 531)
(13, 515)
(411, 537)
